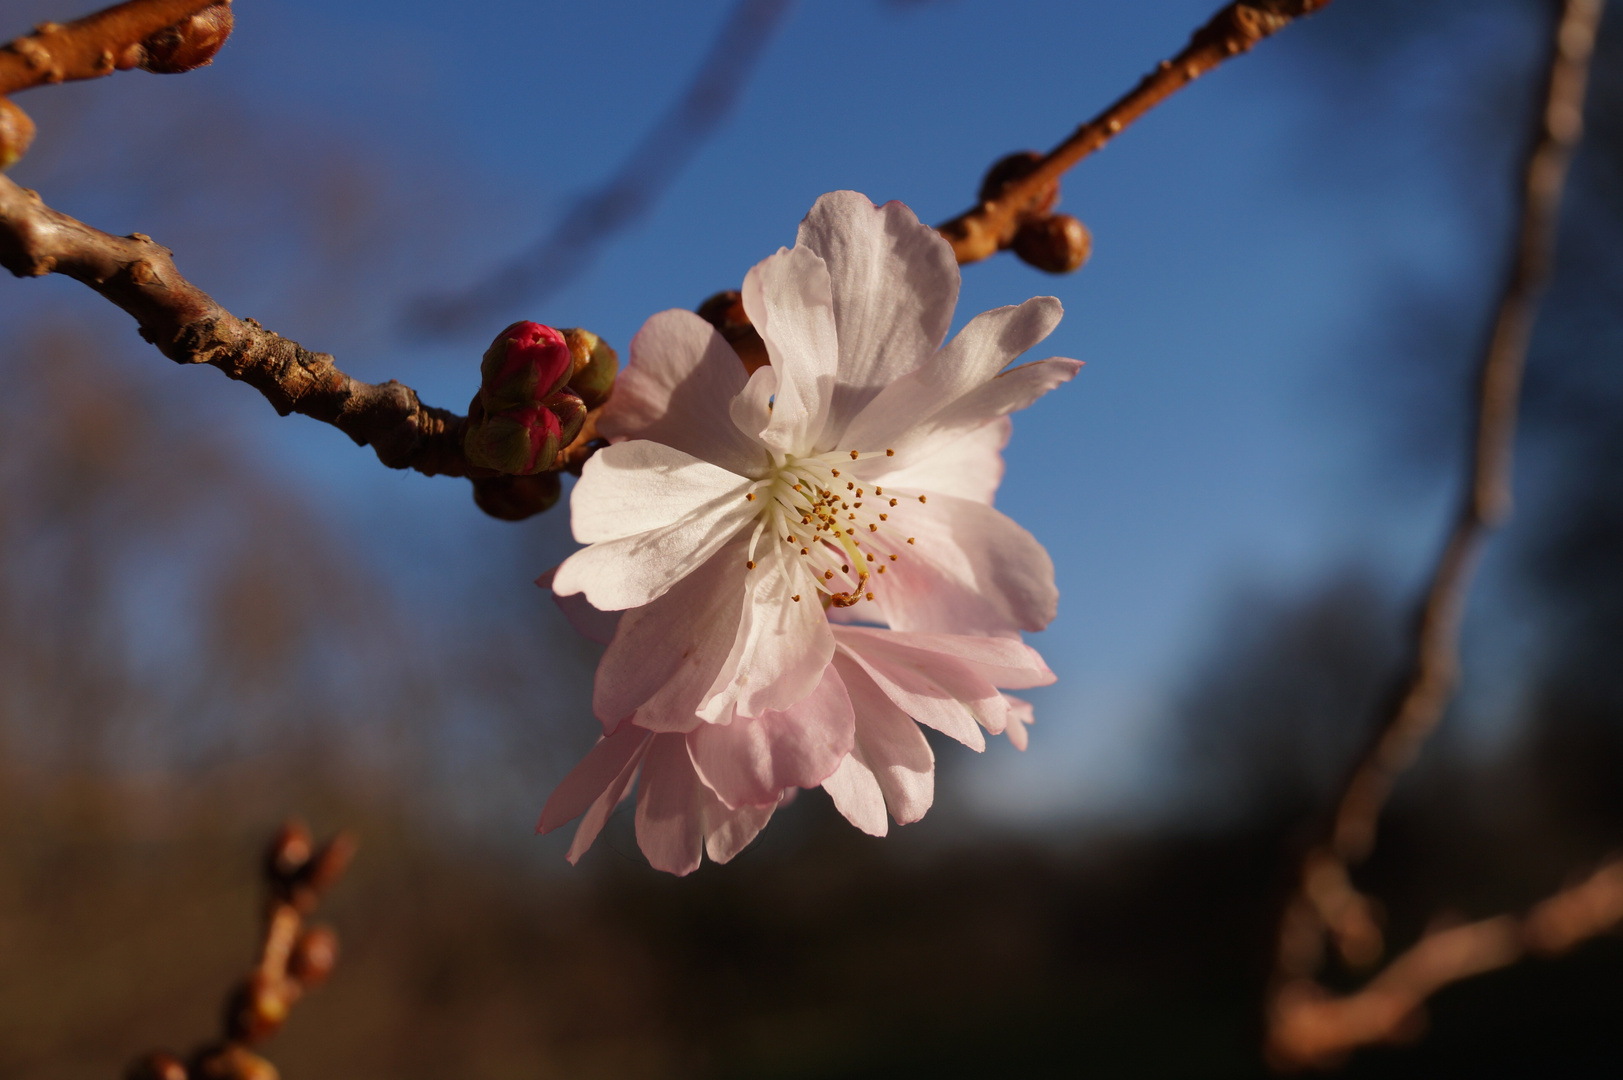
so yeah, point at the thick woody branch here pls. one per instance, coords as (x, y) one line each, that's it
(187, 326)
(1306, 1027)
(96, 45)
(992, 226)
(1311, 1028)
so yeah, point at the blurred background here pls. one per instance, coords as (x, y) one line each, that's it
(212, 617)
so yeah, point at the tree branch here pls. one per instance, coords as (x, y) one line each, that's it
(1311, 1028)
(88, 48)
(1306, 1027)
(988, 228)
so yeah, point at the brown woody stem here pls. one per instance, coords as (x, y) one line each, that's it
(90, 47)
(988, 228)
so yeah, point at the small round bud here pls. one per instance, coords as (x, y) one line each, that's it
(1058, 244)
(259, 1007)
(189, 44)
(525, 363)
(596, 365)
(232, 1062)
(158, 1065)
(514, 498)
(16, 133)
(518, 442)
(314, 956)
(725, 311)
(1012, 168)
(289, 850)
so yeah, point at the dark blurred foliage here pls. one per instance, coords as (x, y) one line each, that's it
(187, 654)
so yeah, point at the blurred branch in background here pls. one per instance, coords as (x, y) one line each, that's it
(1306, 1026)
(293, 959)
(630, 193)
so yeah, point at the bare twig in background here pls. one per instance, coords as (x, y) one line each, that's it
(631, 192)
(1306, 1026)
(293, 958)
(1310, 1027)
(994, 224)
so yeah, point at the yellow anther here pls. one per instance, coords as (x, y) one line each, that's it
(750, 565)
(750, 497)
(909, 539)
(893, 558)
(890, 453)
(884, 517)
(870, 556)
(881, 569)
(795, 598)
(853, 455)
(870, 596)
(872, 527)
(828, 575)
(836, 472)
(921, 498)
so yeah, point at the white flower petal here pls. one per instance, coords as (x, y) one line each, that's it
(666, 654)
(637, 487)
(630, 572)
(1011, 391)
(894, 284)
(782, 645)
(968, 465)
(677, 389)
(787, 299)
(990, 341)
(750, 761)
(970, 570)
(1006, 663)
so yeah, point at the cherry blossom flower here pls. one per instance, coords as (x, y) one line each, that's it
(805, 559)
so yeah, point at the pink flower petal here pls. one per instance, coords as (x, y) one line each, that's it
(782, 645)
(727, 832)
(787, 299)
(894, 284)
(588, 621)
(889, 747)
(856, 795)
(1007, 663)
(676, 390)
(968, 465)
(1021, 716)
(939, 692)
(670, 807)
(981, 349)
(595, 787)
(970, 570)
(668, 653)
(750, 761)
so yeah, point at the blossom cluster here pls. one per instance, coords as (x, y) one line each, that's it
(794, 569)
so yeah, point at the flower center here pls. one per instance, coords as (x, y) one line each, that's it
(839, 528)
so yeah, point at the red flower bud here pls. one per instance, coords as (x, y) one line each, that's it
(571, 413)
(525, 363)
(518, 442)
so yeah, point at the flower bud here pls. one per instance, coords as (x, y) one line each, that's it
(596, 365)
(16, 133)
(517, 442)
(158, 1065)
(514, 498)
(1007, 170)
(232, 1062)
(289, 851)
(314, 956)
(725, 311)
(259, 1007)
(1058, 244)
(525, 363)
(189, 44)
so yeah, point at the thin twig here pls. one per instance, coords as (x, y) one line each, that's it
(988, 228)
(292, 959)
(1326, 903)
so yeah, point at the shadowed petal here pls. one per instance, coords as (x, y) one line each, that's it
(677, 390)
(787, 298)
(750, 761)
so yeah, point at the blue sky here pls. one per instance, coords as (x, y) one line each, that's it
(1220, 432)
